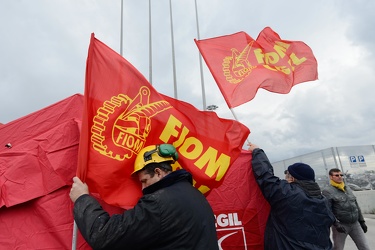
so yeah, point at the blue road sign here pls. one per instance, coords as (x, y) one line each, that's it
(353, 159)
(361, 158)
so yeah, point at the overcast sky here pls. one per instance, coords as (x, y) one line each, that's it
(43, 51)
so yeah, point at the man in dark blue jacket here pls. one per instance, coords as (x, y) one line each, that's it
(171, 214)
(300, 217)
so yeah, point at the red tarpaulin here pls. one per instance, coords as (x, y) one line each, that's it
(36, 171)
(36, 175)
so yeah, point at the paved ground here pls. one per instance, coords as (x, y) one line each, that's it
(370, 235)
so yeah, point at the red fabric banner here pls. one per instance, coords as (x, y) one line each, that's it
(42, 223)
(240, 209)
(35, 162)
(123, 113)
(36, 172)
(241, 65)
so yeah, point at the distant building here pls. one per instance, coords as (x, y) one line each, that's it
(356, 162)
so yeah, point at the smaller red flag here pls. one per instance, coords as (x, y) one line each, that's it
(241, 65)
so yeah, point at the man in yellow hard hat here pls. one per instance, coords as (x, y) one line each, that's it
(171, 214)
(158, 159)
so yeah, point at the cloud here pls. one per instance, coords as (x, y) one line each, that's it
(44, 48)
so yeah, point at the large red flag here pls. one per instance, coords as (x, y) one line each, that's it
(240, 65)
(123, 113)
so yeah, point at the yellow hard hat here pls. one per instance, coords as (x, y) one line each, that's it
(155, 154)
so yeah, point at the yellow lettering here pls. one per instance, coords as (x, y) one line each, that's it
(259, 56)
(170, 129)
(182, 137)
(209, 159)
(296, 60)
(204, 189)
(281, 48)
(267, 58)
(121, 136)
(192, 148)
(272, 58)
(138, 145)
(282, 44)
(128, 141)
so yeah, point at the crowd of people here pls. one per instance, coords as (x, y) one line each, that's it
(172, 214)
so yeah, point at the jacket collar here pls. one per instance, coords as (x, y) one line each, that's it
(168, 180)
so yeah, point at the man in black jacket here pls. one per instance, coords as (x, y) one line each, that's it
(300, 217)
(171, 214)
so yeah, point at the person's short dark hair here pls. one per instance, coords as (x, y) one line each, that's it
(164, 166)
(301, 171)
(334, 170)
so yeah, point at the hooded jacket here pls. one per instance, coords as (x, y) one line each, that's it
(171, 214)
(300, 217)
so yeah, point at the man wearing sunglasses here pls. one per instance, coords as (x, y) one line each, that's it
(171, 214)
(348, 214)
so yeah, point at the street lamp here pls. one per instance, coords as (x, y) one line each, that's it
(212, 107)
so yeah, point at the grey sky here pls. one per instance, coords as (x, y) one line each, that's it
(44, 44)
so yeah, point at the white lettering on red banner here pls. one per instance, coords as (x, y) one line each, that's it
(230, 231)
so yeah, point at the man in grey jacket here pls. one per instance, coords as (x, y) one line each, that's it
(348, 214)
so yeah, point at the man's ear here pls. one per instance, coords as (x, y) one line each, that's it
(158, 171)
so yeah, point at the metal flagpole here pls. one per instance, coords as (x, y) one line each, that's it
(200, 59)
(235, 117)
(74, 238)
(173, 56)
(121, 28)
(150, 41)
(75, 228)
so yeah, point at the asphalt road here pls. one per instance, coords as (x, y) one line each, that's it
(370, 235)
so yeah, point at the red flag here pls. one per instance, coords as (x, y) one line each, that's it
(240, 65)
(240, 209)
(123, 113)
